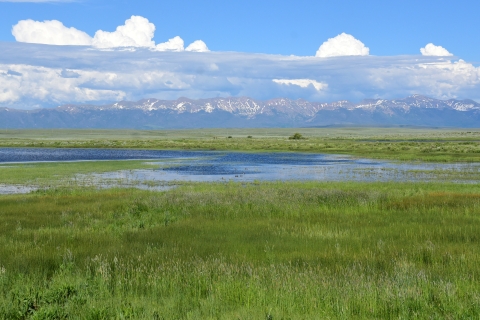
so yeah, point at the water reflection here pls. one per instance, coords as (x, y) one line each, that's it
(16, 189)
(290, 166)
(199, 166)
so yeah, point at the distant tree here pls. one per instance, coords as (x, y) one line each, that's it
(296, 136)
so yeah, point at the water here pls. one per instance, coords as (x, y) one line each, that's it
(176, 166)
(13, 189)
(283, 167)
(19, 155)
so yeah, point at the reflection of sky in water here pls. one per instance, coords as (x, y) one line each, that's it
(282, 166)
(48, 154)
(9, 189)
(198, 166)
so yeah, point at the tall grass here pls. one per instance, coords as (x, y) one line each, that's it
(243, 251)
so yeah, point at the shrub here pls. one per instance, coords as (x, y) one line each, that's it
(296, 136)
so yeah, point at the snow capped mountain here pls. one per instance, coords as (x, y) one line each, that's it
(247, 112)
(417, 101)
(245, 106)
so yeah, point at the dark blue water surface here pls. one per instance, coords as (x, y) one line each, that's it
(39, 155)
(239, 166)
(203, 162)
(233, 163)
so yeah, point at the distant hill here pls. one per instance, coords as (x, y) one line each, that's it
(240, 112)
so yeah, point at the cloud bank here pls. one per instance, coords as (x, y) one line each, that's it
(136, 32)
(33, 75)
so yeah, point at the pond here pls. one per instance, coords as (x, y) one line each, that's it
(175, 166)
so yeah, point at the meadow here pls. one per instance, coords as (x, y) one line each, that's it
(243, 251)
(405, 144)
(260, 250)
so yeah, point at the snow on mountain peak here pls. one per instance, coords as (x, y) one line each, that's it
(252, 108)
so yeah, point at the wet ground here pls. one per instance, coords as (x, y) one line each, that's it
(176, 166)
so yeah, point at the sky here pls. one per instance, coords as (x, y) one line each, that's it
(100, 51)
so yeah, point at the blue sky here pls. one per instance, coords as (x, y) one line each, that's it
(273, 26)
(392, 32)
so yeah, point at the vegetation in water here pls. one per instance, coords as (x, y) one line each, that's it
(55, 173)
(243, 251)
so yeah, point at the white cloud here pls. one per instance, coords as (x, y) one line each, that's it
(342, 45)
(26, 86)
(175, 44)
(136, 32)
(304, 83)
(49, 32)
(433, 50)
(197, 46)
(52, 75)
(439, 79)
(69, 74)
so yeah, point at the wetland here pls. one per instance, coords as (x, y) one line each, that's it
(359, 231)
(166, 167)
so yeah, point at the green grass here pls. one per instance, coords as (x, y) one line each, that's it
(243, 251)
(63, 173)
(440, 145)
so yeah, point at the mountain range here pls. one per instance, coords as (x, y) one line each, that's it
(416, 110)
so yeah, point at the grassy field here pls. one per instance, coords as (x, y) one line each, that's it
(439, 145)
(62, 173)
(243, 251)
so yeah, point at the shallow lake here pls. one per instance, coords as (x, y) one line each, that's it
(237, 166)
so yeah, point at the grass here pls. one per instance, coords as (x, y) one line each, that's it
(440, 145)
(243, 251)
(58, 173)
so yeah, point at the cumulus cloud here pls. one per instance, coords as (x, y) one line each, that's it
(49, 32)
(175, 44)
(342, 45)
(137, 32)
(433, 50)
(197, 46)
(304, 83)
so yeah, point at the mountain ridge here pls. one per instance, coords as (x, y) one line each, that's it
(183, 113)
